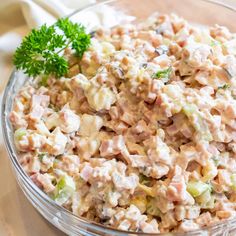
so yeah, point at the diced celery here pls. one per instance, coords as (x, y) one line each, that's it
(204, 197)
(148, 190)
(64, 189)
(233, 180)
(197, 121)
(62, 197)
(145, 180)
(189, 109)
(66, 182)
(140, 202)
(19, 133)
(215, 43)
(197, 188)
(152, 208)
(210, 204)
(166, 41)
(206, 200)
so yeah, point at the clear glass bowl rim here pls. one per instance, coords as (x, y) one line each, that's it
(12, 153)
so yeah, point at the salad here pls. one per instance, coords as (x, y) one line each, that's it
(133, 127)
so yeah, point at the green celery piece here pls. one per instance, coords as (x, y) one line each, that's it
(233, 180)
(200, 126)
(62, 197)
(152, 209)
(196, 188)
(66, 182)
(64, 189)
(19, 133)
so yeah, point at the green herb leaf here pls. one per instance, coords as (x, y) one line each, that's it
(41, 156)
(53, 107)
(224, 87)
(76, 33)
(40, 53)
(163, 74)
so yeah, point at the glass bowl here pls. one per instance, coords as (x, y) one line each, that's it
(203, 12)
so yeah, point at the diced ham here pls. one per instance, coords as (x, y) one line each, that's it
(31, 142)
(87, 146)
(40, 100)
(204, 219)
(188, 225)
(69, 164)
(69, 121)
(56, 142)
(121, 182)
(90, 124)
(176, 190)
(17, 120)
(113, 147)
(86, 172)
(38, 105)
(224, 178)
(150, 227)
(225, 214)
(46, 182)
(36, 113)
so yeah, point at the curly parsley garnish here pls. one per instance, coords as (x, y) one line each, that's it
(41, 52)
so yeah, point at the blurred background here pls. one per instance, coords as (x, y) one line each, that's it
(17, 18)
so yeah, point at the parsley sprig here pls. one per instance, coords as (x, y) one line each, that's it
(41, 52)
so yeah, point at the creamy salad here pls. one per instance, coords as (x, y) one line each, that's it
(141, 133)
